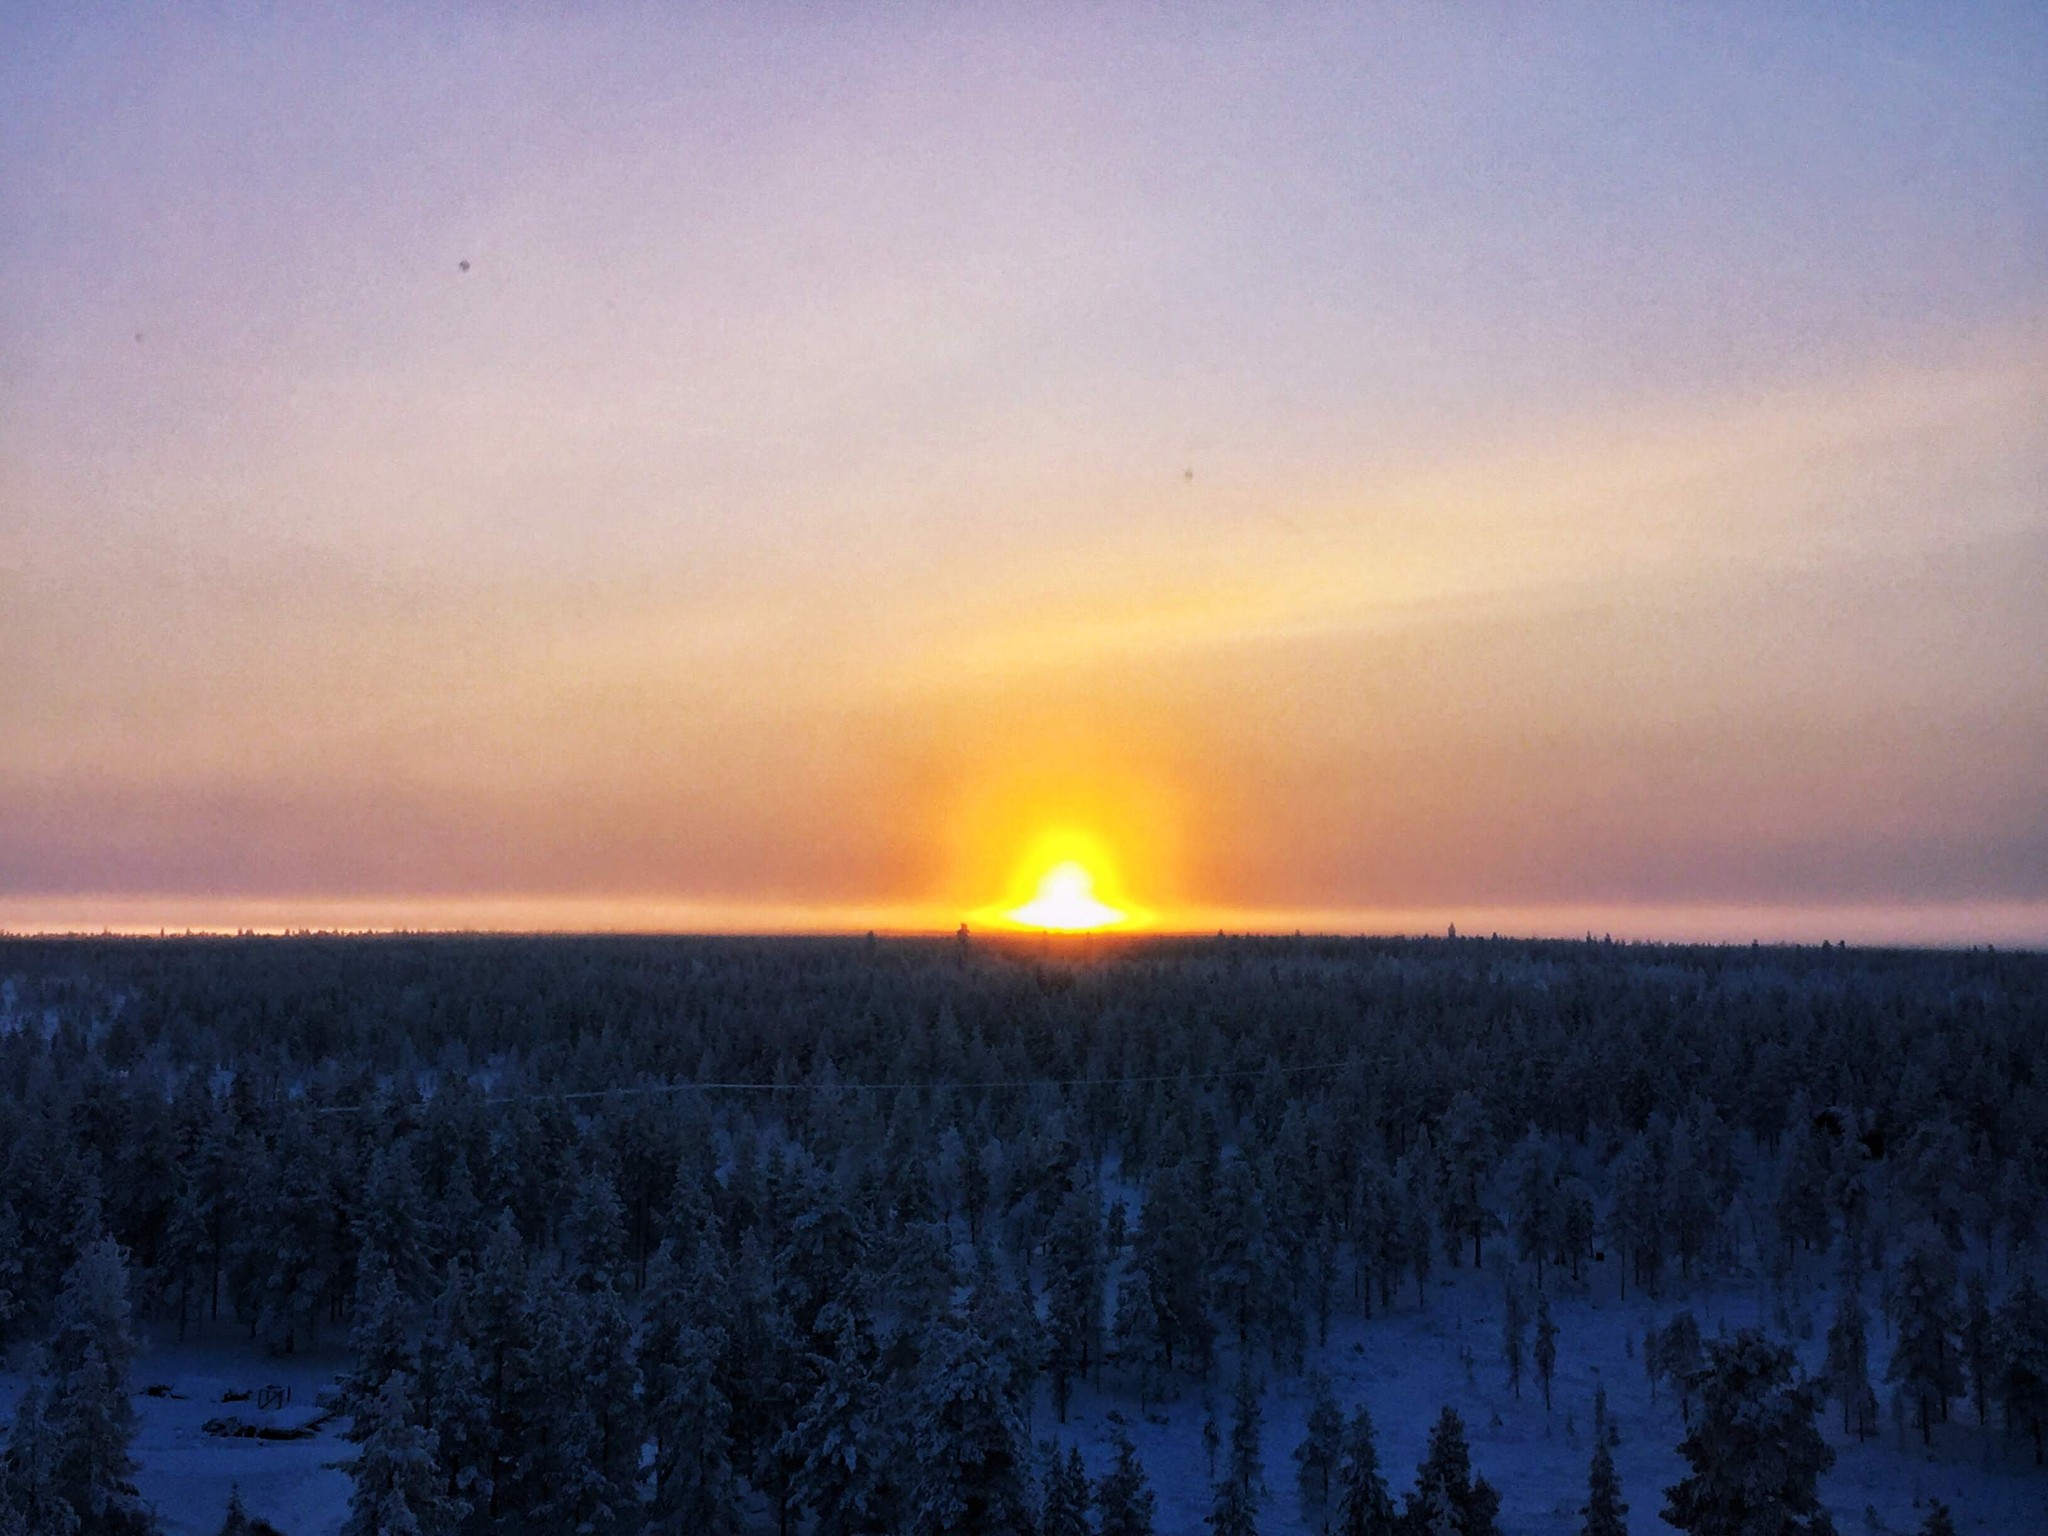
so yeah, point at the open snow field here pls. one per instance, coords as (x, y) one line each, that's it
(1403, 1367)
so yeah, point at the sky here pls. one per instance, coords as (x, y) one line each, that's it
(1367, 468)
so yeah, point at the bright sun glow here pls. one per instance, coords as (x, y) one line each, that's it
(1066, 901)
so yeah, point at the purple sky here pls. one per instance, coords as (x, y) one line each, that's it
(1540, 467)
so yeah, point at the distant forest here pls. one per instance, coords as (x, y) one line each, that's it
(719, 1235)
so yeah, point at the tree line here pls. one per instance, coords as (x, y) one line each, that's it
(942, 1178)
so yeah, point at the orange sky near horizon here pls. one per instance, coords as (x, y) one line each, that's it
(1361, 473)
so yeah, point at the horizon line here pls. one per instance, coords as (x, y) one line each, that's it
(1952, 925)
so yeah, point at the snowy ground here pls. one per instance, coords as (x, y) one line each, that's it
(1403, 1367)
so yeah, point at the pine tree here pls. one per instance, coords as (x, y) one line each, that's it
(1977, 1344)
(30, 1489)
(841, 1440)
(1242, 1267)
(1925, 1358)
(1065, 1509)
(1848, 1358)
(1139, 1347)
(88, 1407)
(456, 1406)
(969, 1443)
(1415, 1181)
(1235, 1511)
(1445, 1481)
(1938, 1522)
(1636, 1221)
(391, 1227)
(1321, 1451)
(236, 1522)
(1124, 1502)
(1364, 1505)
(397, 1482)
(1533, 1203)
(1546, 1347)
(560, 1477)
(2020, 1334)
(1466, 1151)
(380, 1338)
(689, 1415)
(1074, 1290)
(1677, 1357)
(1605, 1513)
(1514, 1331)
(1755, 1454)
(13, 1299)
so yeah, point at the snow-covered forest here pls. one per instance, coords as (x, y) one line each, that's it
(1381, 1237)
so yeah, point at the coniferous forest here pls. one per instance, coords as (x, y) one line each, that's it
(841, 1236)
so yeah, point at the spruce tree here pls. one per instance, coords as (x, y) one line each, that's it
(397, 1484)
(88, 1407)
(1848, 1361)
(1514, 1330)
(1124, 1502)
(1546, 1347)
(1365, 1507)
(2020, 1335)
(1755, 1454)
(1605, 1513)
(968, 1442)
(1139, 1346)
(1977, 1344)
(1926, 1357)
(1445, 1480)
(1938, 1522)
(1064, 1511)
(841, 1441)
(29, 1482)
(689, 1415)
(1235, 1510)
(1321, 1451)
(380, 1338)
(1074, 1291)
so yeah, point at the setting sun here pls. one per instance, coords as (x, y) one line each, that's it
(1066, 901)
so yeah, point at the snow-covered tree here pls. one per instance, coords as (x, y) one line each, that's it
(1514, 1330)
(1848, 1358)
(2020, 1331)
(1140, 1347)
(1446, 1486)
(381, 1339)
(1064, 1510)
(1365, 1506)
(397, 1481)
(969, 1445)
(392, 1229)
(1465, 1149)
(30, 1488)
(1546, 1347)
(1319, 1456)
(689, 1415)
(1605, 1513)
(1926, 1358)
(847, 1465)
(1124, 1502)
(1074, 1294)
(1241, 1488)
(1755, 1455)
(91, 1351)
